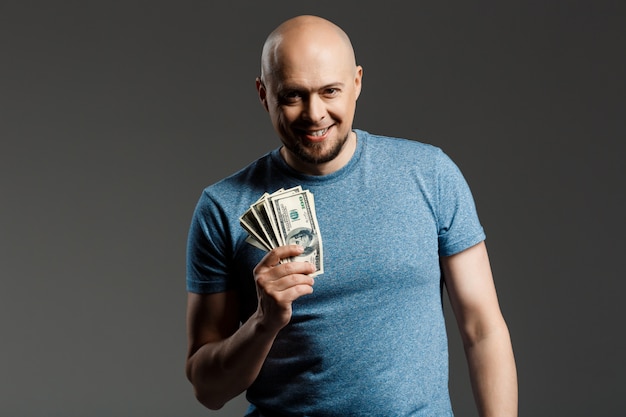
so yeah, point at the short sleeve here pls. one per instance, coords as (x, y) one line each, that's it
(206, 249)
(459, 227)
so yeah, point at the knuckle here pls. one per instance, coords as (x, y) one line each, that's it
(262, 280)
(290, 268)
(293, 280)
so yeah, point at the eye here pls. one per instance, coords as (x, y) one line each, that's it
(290, 97)
(331, 91)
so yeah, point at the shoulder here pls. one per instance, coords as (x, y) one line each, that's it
(398, 151)
(400, 146)
(235, 192)
(245, 179)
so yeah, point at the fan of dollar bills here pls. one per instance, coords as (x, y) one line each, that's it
(282, 218)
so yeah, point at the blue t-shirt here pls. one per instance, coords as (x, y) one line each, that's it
(371, 339)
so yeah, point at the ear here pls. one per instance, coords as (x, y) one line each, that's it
(262, 92)
(358, 81)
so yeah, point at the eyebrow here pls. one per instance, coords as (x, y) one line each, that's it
(286, 87)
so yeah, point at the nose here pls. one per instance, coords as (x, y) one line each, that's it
(315, 109)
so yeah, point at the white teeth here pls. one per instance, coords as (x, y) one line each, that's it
(318, 132)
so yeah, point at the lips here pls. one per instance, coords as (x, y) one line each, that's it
(316, 135)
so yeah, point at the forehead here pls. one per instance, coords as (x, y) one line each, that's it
(311, 71)
(311, 61)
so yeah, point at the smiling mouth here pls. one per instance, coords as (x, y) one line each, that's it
(316, 135)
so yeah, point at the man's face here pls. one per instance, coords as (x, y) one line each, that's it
(311, 99)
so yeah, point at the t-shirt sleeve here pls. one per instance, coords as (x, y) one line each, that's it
(458, 223)
(206, 249)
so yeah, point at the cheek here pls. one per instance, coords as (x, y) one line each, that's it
(342, 110)
(284, 116)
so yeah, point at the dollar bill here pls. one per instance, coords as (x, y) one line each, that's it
(286, 217)
(249, 222)
(297, 224)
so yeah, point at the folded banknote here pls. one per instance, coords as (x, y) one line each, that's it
(286, 217)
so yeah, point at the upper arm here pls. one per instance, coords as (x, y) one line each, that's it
(210, 318)
(471, 289)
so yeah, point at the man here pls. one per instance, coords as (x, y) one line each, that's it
(366, 337)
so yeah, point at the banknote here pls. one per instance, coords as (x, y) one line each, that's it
(286, 217)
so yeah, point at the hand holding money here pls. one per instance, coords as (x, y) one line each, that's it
(286, 217)
(280, 284)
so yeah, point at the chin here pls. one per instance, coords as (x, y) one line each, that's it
(319, 156)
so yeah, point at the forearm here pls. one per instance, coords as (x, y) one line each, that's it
(219, 371)
(493, 373)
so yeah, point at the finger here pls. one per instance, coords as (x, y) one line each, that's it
(273, 257)
(287, 289)
(292, 293)
(298, 269)
(285, 276)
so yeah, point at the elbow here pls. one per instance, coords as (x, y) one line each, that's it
(209, 401)
(205, 396)
(202, 392)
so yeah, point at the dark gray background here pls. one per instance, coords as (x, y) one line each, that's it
(115, 114)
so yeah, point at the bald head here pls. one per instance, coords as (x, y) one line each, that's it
(305, 36)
